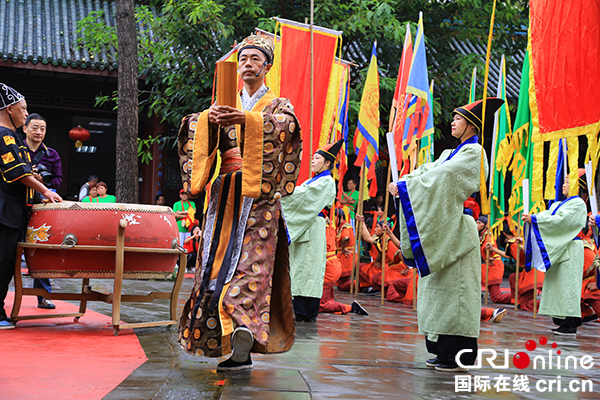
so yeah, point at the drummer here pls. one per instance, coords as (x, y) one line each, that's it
(16, 188)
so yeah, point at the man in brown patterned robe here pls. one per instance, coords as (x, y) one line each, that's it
(241, 300)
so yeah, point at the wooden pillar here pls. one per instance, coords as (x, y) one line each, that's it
(153, 179)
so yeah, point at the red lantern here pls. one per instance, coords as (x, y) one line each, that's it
(79, 134)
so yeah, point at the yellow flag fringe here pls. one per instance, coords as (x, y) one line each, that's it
(538, 171)
(550, 192)
(573, 159)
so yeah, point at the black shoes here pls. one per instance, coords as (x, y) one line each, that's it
(358, 309)
(444, 366)
(46, 304)
(588, 318)
(565, 331)
(499, 314)
(431, 362)
(371, 291)
(449, 367)
(241, 343)
(304, 318)
(230, 365)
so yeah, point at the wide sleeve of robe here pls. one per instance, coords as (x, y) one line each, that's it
(304, 205)
(270, 146)
(270, 143)
(434, 232)
(551, 232)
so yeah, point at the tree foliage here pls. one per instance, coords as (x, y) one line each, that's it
(180, 41)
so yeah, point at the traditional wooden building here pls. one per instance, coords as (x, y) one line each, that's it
(40, 58)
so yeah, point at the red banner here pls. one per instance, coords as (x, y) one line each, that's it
(565, 68)
(295, 82)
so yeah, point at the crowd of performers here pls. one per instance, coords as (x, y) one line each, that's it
(272, 252)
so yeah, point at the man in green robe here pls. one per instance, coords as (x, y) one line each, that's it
(552, 246)
(304, 217)
(442, 242)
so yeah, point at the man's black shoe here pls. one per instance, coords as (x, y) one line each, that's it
(589, 318)
(358, 309)
(449, 367)
(230, 365)
(566, 331)
(46, 304)
(242, 341)
(371, 290)
(431, 362)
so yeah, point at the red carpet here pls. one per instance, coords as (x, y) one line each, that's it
(61, 359)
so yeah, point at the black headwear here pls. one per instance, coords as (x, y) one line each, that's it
(473, 112)
(9, 96)
(330, 150)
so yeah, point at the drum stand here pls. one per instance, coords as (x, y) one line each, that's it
(87, 294)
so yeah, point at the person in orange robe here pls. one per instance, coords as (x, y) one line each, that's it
(526, 279)
(590, 295)
(345, 250)
(333, 271)
(496, 265)
(493, 314)
(370, 274)
(401, 289)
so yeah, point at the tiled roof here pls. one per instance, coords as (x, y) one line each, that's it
(513, 69)
(45, 31)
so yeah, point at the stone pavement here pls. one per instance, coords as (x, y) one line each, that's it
(379, 356)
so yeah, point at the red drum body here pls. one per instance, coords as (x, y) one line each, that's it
(96, 224)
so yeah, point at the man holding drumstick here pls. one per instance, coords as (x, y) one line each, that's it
(17, 186)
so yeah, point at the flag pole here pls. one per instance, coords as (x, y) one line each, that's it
(535, 293)
(517, 268)
(485, 203)
(487, 262)
(526, 210)
(359, 211)
(414, 285)
(386, 237)
(312, 72)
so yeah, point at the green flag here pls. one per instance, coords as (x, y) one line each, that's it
(472, 94)
(521, 166)
(500, 157)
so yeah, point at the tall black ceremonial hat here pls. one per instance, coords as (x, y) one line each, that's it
(330, 150)
(473, 112)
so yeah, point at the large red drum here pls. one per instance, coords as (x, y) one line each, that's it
(96, 224)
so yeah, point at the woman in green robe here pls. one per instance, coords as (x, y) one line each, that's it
(305, 220)
(442, 242)
(552, 246)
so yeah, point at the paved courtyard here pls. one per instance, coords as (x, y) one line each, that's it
(379, 356)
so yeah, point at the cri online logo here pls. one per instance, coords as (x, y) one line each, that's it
(522, 360)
